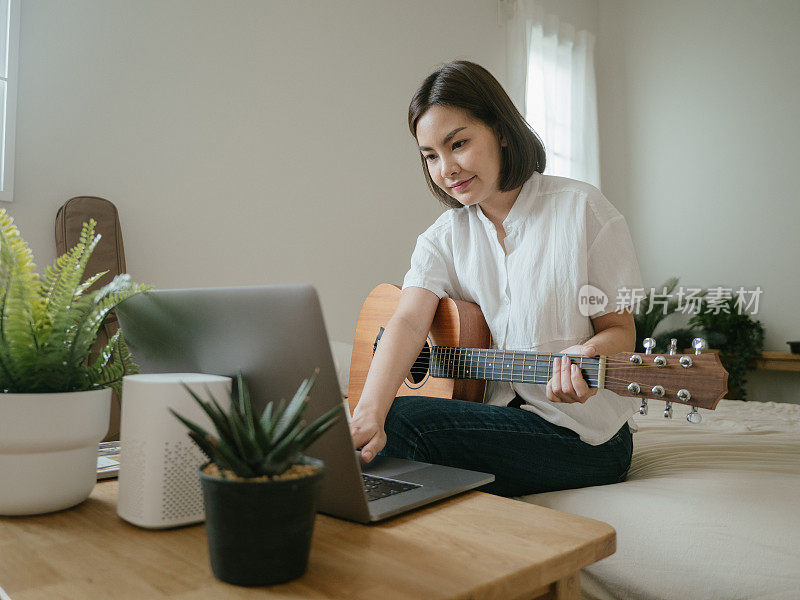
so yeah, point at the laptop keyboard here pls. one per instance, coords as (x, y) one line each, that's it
(380, 487)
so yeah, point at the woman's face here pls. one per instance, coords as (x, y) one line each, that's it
(462, 153)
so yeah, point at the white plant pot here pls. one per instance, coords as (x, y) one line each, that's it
(48, 449)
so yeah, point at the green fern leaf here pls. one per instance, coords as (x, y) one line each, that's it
(49, 324)
(19, 304)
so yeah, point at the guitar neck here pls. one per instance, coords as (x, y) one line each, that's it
(508, 365)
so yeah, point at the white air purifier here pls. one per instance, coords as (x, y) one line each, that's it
(159, 486)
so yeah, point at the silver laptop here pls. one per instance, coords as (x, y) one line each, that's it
(276, 336)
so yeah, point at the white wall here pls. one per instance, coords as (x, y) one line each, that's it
(266, 141)
(699, 127)
(581, 14)
(248, 142)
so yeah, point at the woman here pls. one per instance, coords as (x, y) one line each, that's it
(520, 245)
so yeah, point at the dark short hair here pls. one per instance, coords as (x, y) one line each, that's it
(468, 86)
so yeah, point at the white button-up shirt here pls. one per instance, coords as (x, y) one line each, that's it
(560, 235)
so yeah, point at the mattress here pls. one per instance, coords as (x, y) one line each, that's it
(709, 511)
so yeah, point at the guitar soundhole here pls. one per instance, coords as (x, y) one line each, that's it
(419, 370)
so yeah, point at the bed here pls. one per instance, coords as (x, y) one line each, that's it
(709, 511)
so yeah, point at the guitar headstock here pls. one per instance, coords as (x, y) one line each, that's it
(697, 380)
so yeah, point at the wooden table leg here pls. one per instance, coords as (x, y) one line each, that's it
(568, 588)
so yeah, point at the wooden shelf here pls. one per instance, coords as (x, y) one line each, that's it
(779, 361)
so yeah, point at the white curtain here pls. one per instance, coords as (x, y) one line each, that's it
(551, 80)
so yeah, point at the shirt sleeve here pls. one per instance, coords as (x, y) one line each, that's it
(612, 265)
(430, 269)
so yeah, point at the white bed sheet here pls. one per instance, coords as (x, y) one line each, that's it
(709, 511)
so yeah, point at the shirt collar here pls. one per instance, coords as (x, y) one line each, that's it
(521, 207)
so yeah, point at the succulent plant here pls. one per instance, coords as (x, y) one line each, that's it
(252, 446)
(49, 324)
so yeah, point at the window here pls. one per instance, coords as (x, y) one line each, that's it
(552, 82)
(9, 51)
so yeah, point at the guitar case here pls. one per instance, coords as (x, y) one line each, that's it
(109, 255)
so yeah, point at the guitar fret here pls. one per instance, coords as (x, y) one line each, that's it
(503, 365)
(513, 358)
(580, 366)
(473, 370)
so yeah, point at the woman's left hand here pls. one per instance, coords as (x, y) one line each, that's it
(567, 383)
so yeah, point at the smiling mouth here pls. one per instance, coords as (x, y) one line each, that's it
(463, 184)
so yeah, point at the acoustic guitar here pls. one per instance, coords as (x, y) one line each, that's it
(457, 360)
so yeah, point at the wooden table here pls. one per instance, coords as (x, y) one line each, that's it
(779, 361)
(471, 546)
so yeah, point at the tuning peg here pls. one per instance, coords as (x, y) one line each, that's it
(668, 411)
(643, 407)
(673, 346)
(694, 416)
(698, 344)
(649, 344)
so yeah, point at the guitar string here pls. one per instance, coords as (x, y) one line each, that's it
(574, 358)
(492, 361)
(515, 372)
(532, 378)
(445, 354)
(447, 351)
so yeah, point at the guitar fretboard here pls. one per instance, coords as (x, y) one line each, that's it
(508, 365)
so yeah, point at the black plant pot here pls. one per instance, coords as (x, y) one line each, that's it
(259, 532)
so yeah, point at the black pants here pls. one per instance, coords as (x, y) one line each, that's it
(526, 453)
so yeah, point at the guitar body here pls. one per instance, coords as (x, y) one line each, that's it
(457, 323)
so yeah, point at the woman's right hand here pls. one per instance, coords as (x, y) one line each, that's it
(402, 340)
(366, 429)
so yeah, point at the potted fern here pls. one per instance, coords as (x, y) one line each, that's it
(54, 403)
(259, 490)
(740, 340)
